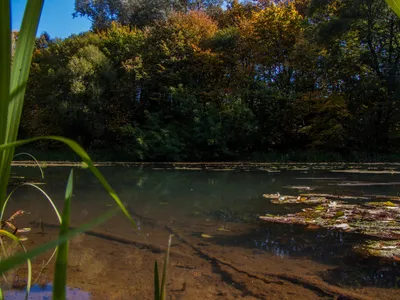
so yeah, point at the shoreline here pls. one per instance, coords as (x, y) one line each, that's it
(271, 167)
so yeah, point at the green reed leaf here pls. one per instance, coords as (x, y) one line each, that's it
(163, 295)
(11, 262)
(60, 272)
(85, 157)
(14, 79)
(21, 65)
(28, 261)
(156, 282)
(394, 5)
(5, 63)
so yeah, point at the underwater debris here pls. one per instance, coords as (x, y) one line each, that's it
(374, 219)
(383, 249)
(295, 187)
(302, 198)
(379, 220)
(384, 197)
(361, 183)
(206, 236)
(311, 198)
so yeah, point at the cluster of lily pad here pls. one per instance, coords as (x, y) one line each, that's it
(378, 219)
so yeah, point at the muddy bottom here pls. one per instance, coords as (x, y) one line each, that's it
(219, 248)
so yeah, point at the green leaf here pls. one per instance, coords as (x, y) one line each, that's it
(163, 295)
(11, 262)
(60, 272)
(85, 157)
(156, 282)
(28, 261)
(394, 5)
(5, 75)
(5, 63)
(21, 65)
(14, 79)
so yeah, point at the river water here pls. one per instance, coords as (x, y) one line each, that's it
(220, 250)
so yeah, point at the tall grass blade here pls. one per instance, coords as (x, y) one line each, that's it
(395, 5)
(52, 205)
(28, 261)
(21, 65)
(163, 295)
(85, 157)
(11, 262)
(60, 272)
(34, 159)
(5, 63)
(5, 74)
(156, 282)
(18, 78)
(36, 187)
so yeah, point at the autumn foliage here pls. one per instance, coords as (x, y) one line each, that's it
(202, 81)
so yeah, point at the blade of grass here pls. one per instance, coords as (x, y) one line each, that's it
(11, 262)
(5, 63)
(21, 65)
(35, 160)
(60, 272)
(5, 75)
(85, 157)
(156, 282)
(394, 5)
(36, 187)
(28, 261)
(163, 295)
(52, 205)
(12, 108)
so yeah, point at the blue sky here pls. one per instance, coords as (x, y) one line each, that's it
(56, 18)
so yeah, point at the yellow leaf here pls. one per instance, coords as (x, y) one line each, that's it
(206, 236)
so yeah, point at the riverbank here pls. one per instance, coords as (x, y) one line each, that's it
(65, 154)
(269, 167)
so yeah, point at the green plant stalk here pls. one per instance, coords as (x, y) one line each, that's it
(5, 74)
(41, 223)
(5, 63)
(34, 159)
(16, 77)
(13, 82)
(156, 282)
(394, 5)
(11, 262)
(15, 239)
(163, 295)
(61, 268)
(160, 291)
(85, 157)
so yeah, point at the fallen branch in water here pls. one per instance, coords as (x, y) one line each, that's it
(310, 282)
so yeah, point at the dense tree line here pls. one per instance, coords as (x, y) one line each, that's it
(221, 80)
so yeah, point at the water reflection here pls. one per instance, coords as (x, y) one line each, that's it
(45, 293)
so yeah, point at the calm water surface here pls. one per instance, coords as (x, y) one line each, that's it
(197, 202)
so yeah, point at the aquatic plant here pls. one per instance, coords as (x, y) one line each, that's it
(13, 80)
(374, 219)
(160, 290)
(306, 198)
